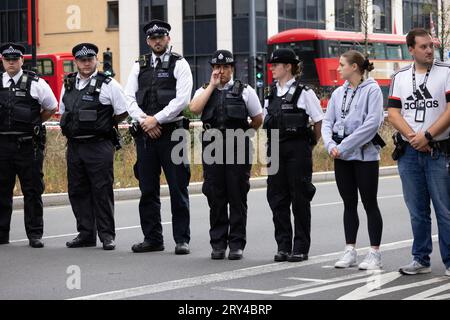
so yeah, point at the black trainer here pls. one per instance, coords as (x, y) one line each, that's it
(218, 254)
(147, 247)
(182, 248)
(36, 243)
(80, 243)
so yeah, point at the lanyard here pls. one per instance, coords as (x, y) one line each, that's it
(345, 109)
(424, 84)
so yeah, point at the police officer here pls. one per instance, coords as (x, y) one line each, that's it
(26, 101)
(225, 105)
(160, 83)
(288, 107)
(419, 108)
(92, 104)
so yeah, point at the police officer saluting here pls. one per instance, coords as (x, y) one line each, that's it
(160, 86)
(289, 106)
(226, 104)
(92, 103)
(26, 101)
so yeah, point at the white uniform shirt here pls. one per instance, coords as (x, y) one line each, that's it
(437, 96)
(110, 94)
(39, 90)
(307, 101)
(182, 73)
(248, 95)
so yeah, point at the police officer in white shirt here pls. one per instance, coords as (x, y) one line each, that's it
(160, 86)
(26, 101)
(92, 104)
(419, 108)
(226, 105)
(288, 107)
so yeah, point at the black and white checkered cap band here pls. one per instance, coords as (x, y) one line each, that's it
(157, 29)
(85, 52)
(12, 51)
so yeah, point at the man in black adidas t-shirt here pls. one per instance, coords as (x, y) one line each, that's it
(419, 108)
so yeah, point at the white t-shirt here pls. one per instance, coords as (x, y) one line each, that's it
(436, 95)
(307, 101)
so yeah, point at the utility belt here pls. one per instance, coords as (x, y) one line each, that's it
(115, 137)
(436, 146)
(37, 138)
(377, 140)
(19, 138)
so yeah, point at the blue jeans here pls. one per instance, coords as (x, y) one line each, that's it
(424, 178)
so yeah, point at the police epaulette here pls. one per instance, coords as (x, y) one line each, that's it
(143, 60)
(179, 56)
(105, 78)
(32, 75)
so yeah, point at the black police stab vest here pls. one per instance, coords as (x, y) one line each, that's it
(19, 111)
(226, 109)
(283, 113)
(84, 114)
(157, 86)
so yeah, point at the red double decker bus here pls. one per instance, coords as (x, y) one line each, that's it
(319, 51)
(52, 68)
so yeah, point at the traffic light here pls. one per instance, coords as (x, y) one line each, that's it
(108, 63)
(259, 64)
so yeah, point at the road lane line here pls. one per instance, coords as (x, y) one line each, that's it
(427, 295)
(75, 234)
(230, 275)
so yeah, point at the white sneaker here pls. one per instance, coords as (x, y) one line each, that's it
(447, 272)
(347, 260)
(372, 261)
(414, 268)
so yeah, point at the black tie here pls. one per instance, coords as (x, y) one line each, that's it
(157, 63)
(13, 84)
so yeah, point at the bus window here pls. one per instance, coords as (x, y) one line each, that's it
(69, 66)
(344, 47)
(405, 51)
(379, 51)
(333, 49)
(47, 67)
(394, 52)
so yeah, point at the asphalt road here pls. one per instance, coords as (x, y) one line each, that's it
(56, 272)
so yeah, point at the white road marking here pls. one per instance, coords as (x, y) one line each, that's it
(427, 295)
(74, 234)
(229, 275)
(309, 280)
(362, 293)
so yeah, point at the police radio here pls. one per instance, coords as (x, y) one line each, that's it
(166, 59)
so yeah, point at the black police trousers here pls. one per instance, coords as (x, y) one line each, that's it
(286, 188)
(226, 185)
(90, 176)
(152, 154)
(20, 158)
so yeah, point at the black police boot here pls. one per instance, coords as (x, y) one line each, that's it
(281, 256)
(218, 254)
(36, 243)
(80, 243)
(235, 254)
(297, 257)
(109, 244)
(147, 247)
(182, 248)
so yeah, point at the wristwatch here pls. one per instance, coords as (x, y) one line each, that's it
(428, 135)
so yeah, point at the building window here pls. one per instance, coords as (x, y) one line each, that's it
(150, 10)
(301, 14)
(199, 37)
(113, 14)
(382, 16)
(418, 14)
(347, 15)
(14, 21)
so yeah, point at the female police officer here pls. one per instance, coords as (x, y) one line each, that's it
(225, 104)
(288, 107)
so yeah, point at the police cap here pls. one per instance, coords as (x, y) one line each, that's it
(12, 50)
(284, 55)
(84, 50)
(157, 28)
(222, 57)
